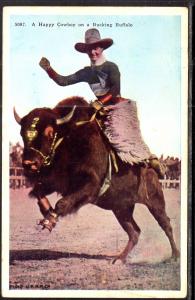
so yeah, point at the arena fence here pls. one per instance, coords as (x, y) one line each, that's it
(17, 180)
(170, 183)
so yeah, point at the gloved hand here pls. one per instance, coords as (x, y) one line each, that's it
(97, 105)
(44, 63)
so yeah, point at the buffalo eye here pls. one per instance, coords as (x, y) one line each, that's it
(49, 132)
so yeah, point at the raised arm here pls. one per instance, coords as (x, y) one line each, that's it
(59, 79)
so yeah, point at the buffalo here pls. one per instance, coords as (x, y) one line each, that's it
(66, 151)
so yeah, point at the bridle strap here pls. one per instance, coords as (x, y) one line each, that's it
(55, 144)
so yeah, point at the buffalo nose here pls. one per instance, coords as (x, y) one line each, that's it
(30, 164)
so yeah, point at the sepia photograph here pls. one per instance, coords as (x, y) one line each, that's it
(95, 152)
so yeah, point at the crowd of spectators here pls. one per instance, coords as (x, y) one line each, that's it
(172, 166)
(15, 155)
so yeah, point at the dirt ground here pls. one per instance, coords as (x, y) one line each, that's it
(73, 255)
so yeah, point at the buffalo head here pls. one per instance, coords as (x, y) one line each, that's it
(41, 137)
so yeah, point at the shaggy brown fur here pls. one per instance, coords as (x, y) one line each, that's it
(79, 168)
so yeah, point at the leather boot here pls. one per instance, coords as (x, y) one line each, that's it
(157, 166)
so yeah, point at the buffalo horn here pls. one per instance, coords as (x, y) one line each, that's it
(17, 117)
(66, 118)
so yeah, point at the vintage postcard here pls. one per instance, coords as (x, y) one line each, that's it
(95, 150)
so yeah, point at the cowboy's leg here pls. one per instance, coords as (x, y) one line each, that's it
(157, 166)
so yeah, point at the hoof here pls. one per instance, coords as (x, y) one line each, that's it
(116, 257)
(119, 258)
(47, 224)
(175, 255)
(49, 227)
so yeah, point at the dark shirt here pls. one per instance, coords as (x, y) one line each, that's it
(103, 79)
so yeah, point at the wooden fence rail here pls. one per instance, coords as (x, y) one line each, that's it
(17, 180)
(170, 183)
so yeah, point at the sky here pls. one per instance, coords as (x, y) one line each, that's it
(147, 49)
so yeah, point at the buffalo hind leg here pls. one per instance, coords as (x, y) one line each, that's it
(164, 222)
(125, 219)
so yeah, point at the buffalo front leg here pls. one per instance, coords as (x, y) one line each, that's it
(125, 219)
(38, 192)
(44, 205)
(77, 197)
(50, 218)
(86, 193)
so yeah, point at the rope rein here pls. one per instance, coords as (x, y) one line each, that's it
(49, 158)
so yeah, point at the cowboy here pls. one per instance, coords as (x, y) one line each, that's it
(103, 78)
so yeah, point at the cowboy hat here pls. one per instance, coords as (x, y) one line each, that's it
(93, 39)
